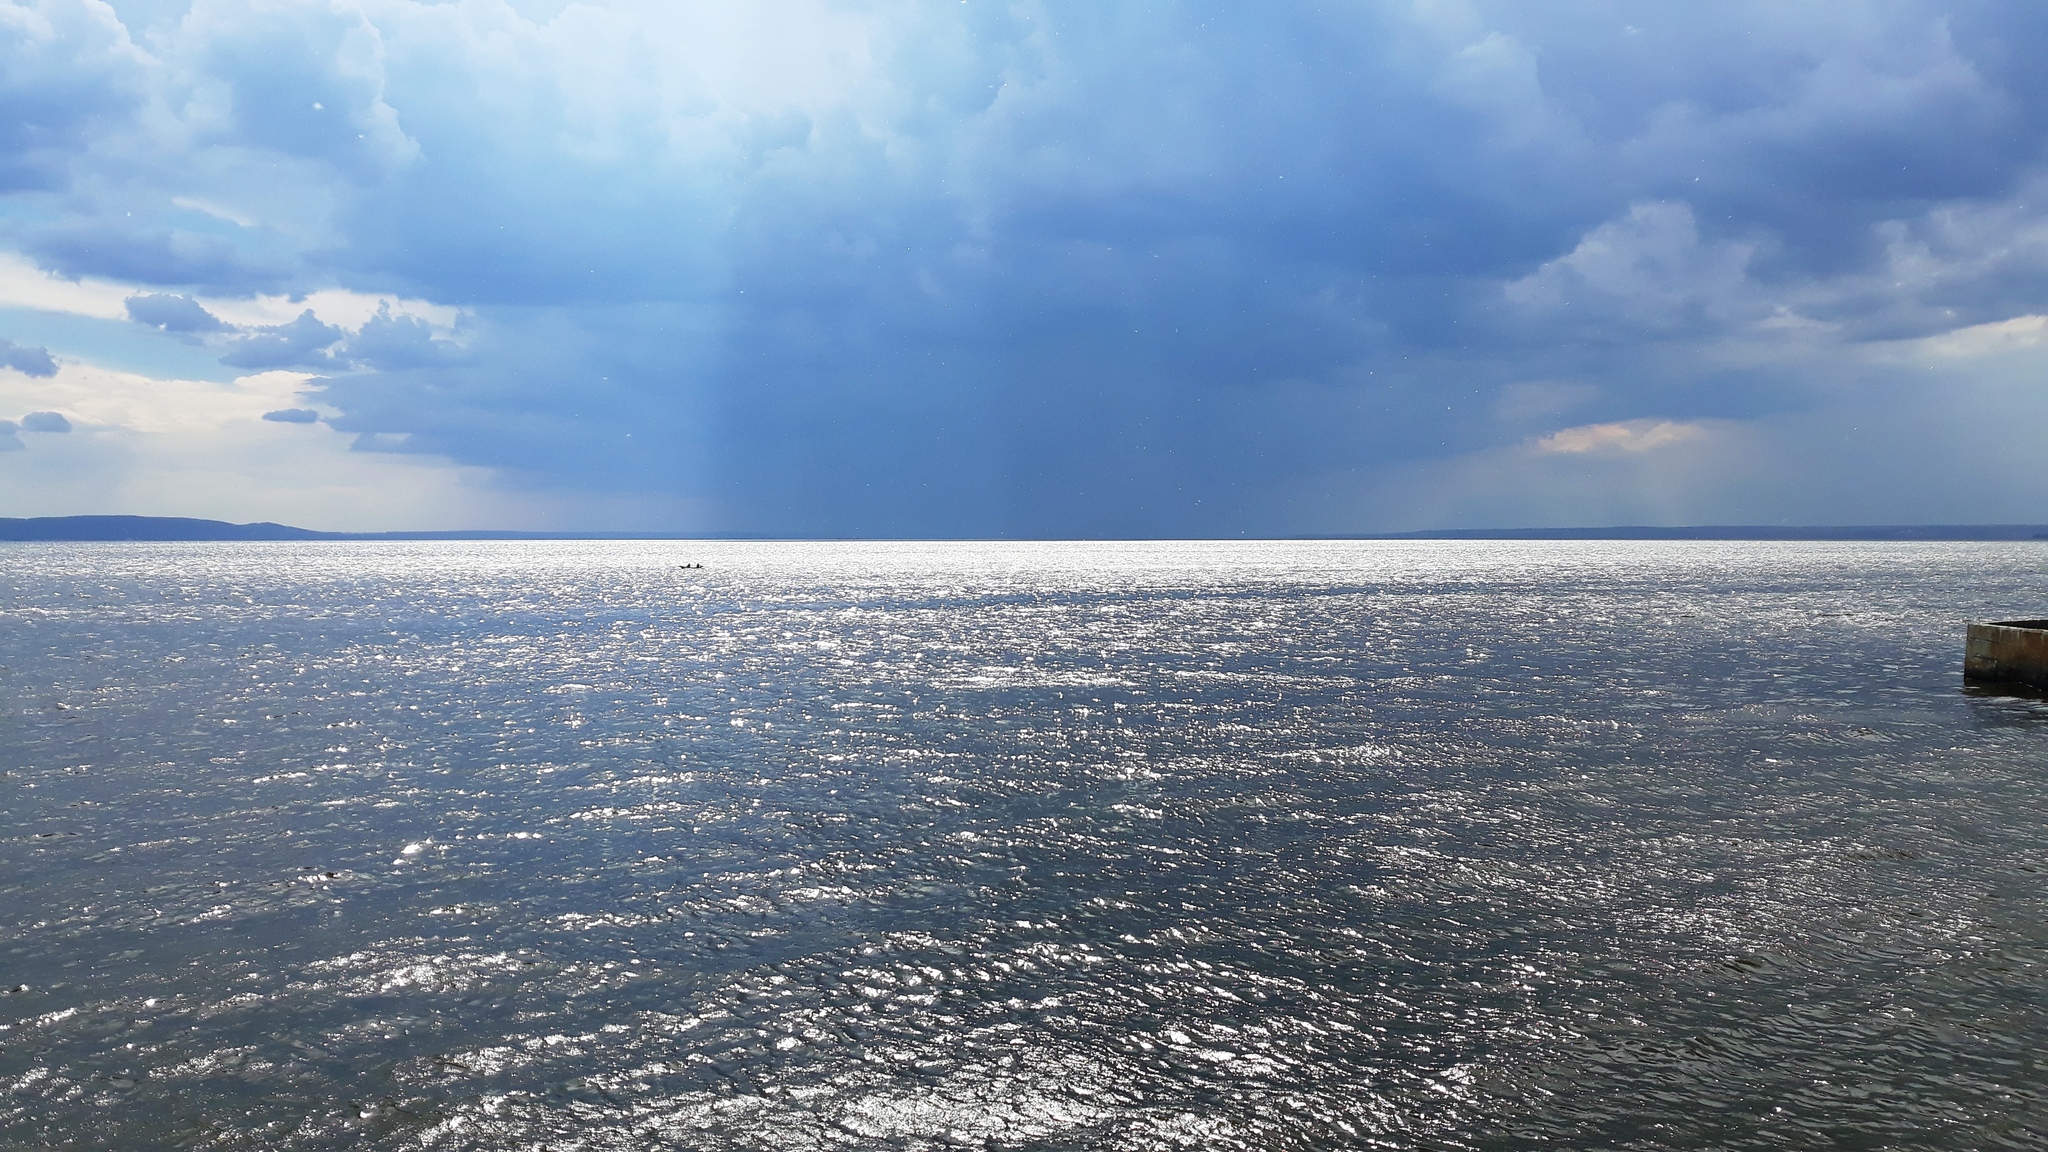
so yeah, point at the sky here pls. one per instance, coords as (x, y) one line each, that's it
(1050, 268)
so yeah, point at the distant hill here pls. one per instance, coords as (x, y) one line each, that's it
(186, 528)
(1742, 532)
(145, 528)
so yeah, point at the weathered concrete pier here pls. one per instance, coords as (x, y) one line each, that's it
(2007, 652)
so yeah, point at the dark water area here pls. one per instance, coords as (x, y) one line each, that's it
(1471, 845)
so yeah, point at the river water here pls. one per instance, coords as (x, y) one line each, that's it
(1025, 846)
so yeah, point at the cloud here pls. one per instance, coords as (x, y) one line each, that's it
(1051, 268)
(388, 341)
(2019, 334)
(301, 343)
(292, 416)
(1628, 436)
(28, 361)
(1718, 472)
(23, 285)
(172, 313)
(9, 442)
(144, 255)
(183, 447)
(1646, 273)
(45, 422)
(303, 81)
(66, 70)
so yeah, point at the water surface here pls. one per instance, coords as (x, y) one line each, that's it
(1035, 846)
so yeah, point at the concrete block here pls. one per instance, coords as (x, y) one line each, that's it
(2007, 652)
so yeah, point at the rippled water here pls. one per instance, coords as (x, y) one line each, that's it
(1136, 846)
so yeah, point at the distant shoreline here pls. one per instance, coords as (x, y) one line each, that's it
(1731, 532)
(164, 529)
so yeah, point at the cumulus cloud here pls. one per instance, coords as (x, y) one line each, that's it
(388, 341)
(45, 422)
(1647, 272)
(9, 441)
(172, 313)
(302, 343)
(25, 360)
